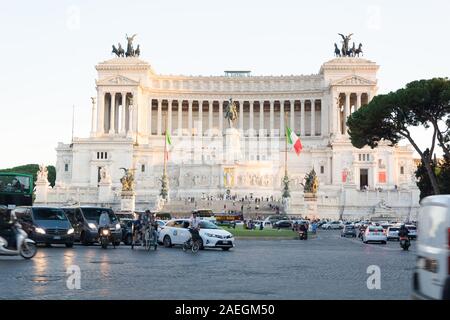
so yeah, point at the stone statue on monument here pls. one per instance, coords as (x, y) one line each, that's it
(130, 50)
(345, 43)
(231, 113)
(127, 180)
(105, 177)
(42, 174)
(311, 184)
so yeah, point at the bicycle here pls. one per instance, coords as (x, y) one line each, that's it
(194, 246)
(150, 239)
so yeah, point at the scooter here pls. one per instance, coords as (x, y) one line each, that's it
(105, 237)
(302, 235)
(405, 243)
(25, 247)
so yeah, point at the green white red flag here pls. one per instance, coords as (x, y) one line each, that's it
(294, 140)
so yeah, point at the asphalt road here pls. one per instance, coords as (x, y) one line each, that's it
(327, 267)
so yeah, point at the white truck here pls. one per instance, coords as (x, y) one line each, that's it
(431, 279)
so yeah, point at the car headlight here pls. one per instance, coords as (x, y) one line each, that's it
(40, 230)
(213, 235)
(92, 226)
(70, 231)
(118, 226)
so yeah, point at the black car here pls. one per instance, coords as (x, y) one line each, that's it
(349, 230)
(281, 224)
(85, 223)
(126, 223)
(46, 225)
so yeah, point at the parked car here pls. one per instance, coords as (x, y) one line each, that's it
(85, 223)
(374, 234)
(349, 231)
(46, 225)
(392, 233)
(412, 231)
(431, 278)
(333, 225)
(282, 224)
(176, 232)
(265, 224)
(275, 218)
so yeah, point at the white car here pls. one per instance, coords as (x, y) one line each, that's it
(333, 225)
(266, 224)
(176, 232)
(431, 279)
(374, 234)
(392, 233)
(412, 231)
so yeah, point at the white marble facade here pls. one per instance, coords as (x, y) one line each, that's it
(135, 106)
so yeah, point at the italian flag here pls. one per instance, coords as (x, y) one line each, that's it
(168, 143)
(293, 140)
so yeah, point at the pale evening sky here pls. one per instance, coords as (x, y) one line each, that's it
(49, 50)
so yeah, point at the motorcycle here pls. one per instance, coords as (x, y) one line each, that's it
(105, 238)
(302, 235)
(405, 243)
(25, 247)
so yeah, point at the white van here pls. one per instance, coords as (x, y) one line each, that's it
(432, 275)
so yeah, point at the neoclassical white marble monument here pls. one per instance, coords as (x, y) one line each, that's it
(135, 106)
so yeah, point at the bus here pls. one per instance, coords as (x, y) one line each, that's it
(16, 189)
(205, 214)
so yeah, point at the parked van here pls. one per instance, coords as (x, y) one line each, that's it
(46, 225)
(431, 278)
(85, 222)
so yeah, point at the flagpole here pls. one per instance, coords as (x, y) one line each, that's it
(286, 145)
(165, 145)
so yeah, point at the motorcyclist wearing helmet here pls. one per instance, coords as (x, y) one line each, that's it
(403, 231)
(7, 227)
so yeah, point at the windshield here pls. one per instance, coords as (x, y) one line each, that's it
(14, 183)
(207, 225)
(94, 214)
(49, 214)
(125, 217)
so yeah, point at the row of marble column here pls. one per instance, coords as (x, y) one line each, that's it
(122, 101)
(240, 121)
(346, 107)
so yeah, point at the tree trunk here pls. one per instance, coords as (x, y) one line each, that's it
(431, 175)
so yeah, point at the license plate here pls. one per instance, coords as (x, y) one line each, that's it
(57, 238)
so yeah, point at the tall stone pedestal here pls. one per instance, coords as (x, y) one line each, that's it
(128, 201)
(42, 187)
(310, 209)
(104, 192)
(232, 149)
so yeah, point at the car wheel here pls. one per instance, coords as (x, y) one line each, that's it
(383, 242)
(167, 242)
(225, 249)
(69, 245)
(200, 242)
